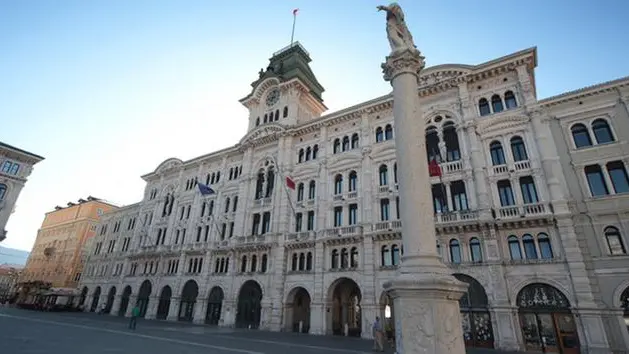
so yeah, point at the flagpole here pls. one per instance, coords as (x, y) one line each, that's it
(292, 35)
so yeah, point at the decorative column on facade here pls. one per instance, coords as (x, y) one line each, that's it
(245, 198)
(151, 311)
(115, 305)
(319, 298)
(322, 187)
(425, 295)
(480, 176)
(173, 308)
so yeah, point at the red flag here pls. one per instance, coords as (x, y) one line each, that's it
(290, 183)
(295, 12)
(434, 169)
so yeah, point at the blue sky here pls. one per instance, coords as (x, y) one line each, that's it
(108, 89)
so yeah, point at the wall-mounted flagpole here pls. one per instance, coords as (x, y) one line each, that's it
(292, 35)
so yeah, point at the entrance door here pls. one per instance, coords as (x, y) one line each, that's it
(550, 332)
(567, 330)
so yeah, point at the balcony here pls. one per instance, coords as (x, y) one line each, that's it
(393, 225)
(303, 235)
(522, 165)
(500, 169)
(522, 211)
(451, 167)
(262, 202)
(353, 230)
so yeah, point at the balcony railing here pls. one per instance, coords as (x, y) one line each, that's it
(344, 231)
(522, 165)
(452, 166)
(500, 169)
(517, 211)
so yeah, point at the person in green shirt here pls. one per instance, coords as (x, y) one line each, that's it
(135, 313)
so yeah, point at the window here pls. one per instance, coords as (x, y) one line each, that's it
(266, 222)
(311, 220)
(294, 262)
(353, 177)
(581, 136)
(529, 247)
(264, 264)
(353, 214)
(497, 154)
(451, 140)
(300, 157)
(459, 197)
(309, 261)
(388, 132)
(518, 149)
(602, 131)
(514, 248)
(338, 184)
(256, 224)
(506, 193)
(300, 192)
(344, 258)
(337, 146)
(384, 209)
(338, 216)
(354, 140)
(475, 250)
(383, 175)
(545, 248)
(243, 264)
(483, 107)
(285, 113)
(510, 101)
(345, 143)
(529, 193)
(311, 190)
(395, 254)
(227, 204)
(379, 135)
(496, 104)
(315, 150)
(385, 255)
(308, 153)
(254, 263)
(614, 241)
(3, 191)
(335, 259)
(395, 173)
(298, 220)
(455, 251)
(596, 181)
(353, 258)
(618, 175)
(235, 204)
(257, 121)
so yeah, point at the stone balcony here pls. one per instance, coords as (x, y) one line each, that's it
(451, 166)
(302, 236)
(258, 203)
(523, 211)
(511, 167)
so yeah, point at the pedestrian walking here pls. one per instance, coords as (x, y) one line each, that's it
(135, 313)
(378, 335)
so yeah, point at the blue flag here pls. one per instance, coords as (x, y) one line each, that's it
(205, 189)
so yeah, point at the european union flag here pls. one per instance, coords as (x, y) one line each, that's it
(205, 189)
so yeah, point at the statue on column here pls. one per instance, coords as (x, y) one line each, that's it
(400, 38)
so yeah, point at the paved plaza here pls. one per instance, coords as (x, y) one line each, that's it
(27, 332)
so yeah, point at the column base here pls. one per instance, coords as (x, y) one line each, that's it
(427, 314)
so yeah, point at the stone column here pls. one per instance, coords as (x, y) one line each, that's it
(151, 311)
(173, 309)
(425, 295)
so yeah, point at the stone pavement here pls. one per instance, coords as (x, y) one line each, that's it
(28, 332)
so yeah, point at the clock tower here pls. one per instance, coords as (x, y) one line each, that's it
(287, 92)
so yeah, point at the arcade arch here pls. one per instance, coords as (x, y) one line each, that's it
(249, 305)
(344, 296)
(297, 310)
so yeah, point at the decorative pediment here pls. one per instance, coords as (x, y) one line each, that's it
(271, 130)
(441, 73)
(500, 123)
(168, 165)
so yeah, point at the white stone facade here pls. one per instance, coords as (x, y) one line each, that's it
(504, 208)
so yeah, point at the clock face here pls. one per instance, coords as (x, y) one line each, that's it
(272, 97)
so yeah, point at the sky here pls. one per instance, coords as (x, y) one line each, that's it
(106, 90)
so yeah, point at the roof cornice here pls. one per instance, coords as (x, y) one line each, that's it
(588, 91)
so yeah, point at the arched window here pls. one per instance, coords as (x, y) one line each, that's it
(235, 204)
(300, 192)
(344, 258)
(385, 255)
(581, 136)
(518, 149)
(227, 204)
(309, 261)
(3, 190)
(308, 152)
(395, 173)
(265, 261)
(510, 101)
(243, 264)
(388, 132)
(483, 107)
(293, 266)
(315, 150)
(254, 263)
(455, 251)
(545, 248)
(354, 140)
(395, 255)
(529, 247)
(453, 152)
(338, 184)
(285, 112)
(337, 146)
(353, 178)
(277, 114)
(602, 131)
(353, 258)
(270, 181)
(514, 247)
(475, 250)
(266, 118)
(311, 189)
(335, 259)
(383, 175)
(497, 154)
(614, 241)
(257, 121)
(496, 104)
(379, 135)
(302, 261)
(211, 208)
(345, 143)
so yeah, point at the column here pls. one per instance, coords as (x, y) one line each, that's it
(425, 295)
(115, 306)
(151, 311)
(448, 196)
(200, 308)
(478, 161)
(173, 309)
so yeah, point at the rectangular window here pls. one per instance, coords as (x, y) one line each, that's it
(298, 221)
(256, 224)
(338, 216)
(529, 193)
(618, 176)
(596, 181)
(231, 229)
(206, 236)
(397, 208)
(311, 220)
(199, 230)
(384, 209)
(459, 197)
(353, 214)
(506, 193)
(266, 222)
(223, 231)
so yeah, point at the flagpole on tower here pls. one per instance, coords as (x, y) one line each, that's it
(292, 35)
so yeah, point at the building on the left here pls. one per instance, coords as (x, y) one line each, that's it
(15, 167)
(9, 274)
(56, 261)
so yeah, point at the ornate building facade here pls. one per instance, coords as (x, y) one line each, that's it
(262, 252)
(15, 167)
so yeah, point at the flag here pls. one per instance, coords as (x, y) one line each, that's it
(205, 189)
(434, 169)
(295, 11)
(290, 183)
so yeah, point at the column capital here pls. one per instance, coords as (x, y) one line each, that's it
(407, 61)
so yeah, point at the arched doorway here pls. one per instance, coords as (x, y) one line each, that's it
(124, 301)
(346, 310)
(624, 303)
(249, 305)
(387, 316)
(546, 320)
(164, 303)
(188, 299)
(214, 306)
(297, 310)
(143, 297)
(110, 299)
(83, 296)
(475, 318)
(95, 298)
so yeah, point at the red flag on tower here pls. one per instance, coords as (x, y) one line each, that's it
(290, 183)
(434, 169)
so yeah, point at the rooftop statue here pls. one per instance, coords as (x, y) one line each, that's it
(400, 38)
